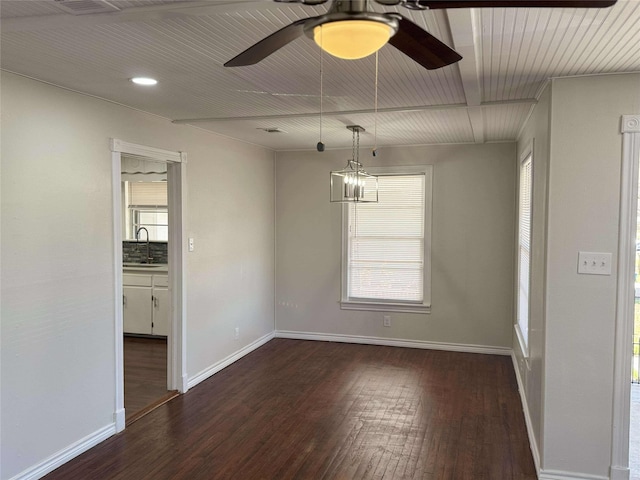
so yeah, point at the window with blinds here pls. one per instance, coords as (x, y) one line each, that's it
(147, 208)
(524, 248)
(385, 244)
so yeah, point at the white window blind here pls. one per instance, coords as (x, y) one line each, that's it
(146, 207)
(148, 193)
(524, 248)
(386, 242)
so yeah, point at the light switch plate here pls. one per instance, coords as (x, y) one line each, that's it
(191, 244)
(594, 263)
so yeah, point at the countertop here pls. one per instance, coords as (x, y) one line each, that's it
(145, 267)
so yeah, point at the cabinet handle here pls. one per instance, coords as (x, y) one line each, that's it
(124, 300)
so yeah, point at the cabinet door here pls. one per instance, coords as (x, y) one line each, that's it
(160, 311)
(136, 310)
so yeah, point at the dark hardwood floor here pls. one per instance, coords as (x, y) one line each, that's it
(318, 410)
(145, 375)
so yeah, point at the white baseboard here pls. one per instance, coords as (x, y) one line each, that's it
(63, 456)
(527, 417)
(560, 475)
(390, 342)
(216, 367)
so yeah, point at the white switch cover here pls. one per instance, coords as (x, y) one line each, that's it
(593, 263)
(191, 244)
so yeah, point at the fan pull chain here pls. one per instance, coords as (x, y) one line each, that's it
(320, 145)
(375, 113)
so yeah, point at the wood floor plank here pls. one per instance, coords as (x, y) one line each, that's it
(145, 373)
(316, 410)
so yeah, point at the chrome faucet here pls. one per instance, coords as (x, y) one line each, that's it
(138, 239)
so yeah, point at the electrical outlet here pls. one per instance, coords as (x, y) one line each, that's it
(236, 333)
(386, 320)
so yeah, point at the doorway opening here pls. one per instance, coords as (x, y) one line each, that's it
(145, 296)
(148, 202)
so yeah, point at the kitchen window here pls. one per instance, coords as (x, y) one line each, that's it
(154, 219)
(386, 245)
(146, 207)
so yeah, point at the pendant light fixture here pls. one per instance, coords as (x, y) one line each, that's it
(352, 183)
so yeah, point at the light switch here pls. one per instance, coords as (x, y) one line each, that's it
(191, 244)
(594, 263)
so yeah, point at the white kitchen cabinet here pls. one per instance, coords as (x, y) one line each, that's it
(145, 304)
(136, 309)
(160, 320)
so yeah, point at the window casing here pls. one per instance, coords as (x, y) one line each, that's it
(524, 250)
(386, 245)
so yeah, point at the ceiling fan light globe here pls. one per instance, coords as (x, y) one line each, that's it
(352, 39)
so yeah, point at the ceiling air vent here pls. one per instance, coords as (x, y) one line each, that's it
(84, 7)
(272, 130)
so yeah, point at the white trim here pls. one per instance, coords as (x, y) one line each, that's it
(116, 167)
(385, 306)
(224, 363)
(66, 454)
(524, 348)
(533, 445)
(561, 475)
(392, 342)
(119, 419)
(121, 146)
(625, 298)
(630, 124)
(620, 473)
(177, 353)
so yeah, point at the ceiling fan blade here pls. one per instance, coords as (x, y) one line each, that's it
(436, 4)
(268, 45)
(421, 46)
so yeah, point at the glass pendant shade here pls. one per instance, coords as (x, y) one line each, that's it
(353, 184)
(352, 39)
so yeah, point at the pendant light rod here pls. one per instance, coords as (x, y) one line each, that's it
(375, 113)
(353, 183)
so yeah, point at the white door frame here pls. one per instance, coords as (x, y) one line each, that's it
(630, 127)
(176, 342)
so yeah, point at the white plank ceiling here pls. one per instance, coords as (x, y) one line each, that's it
(508, 56)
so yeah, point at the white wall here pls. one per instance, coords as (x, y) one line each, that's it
(578, 153)
(57, 328)
(584, 199)
(472, 250)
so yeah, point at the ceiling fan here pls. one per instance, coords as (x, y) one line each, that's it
(350, 30)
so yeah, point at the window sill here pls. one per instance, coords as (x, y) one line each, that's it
(385, 307)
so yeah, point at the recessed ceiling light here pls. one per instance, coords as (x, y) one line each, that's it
(144, 81)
